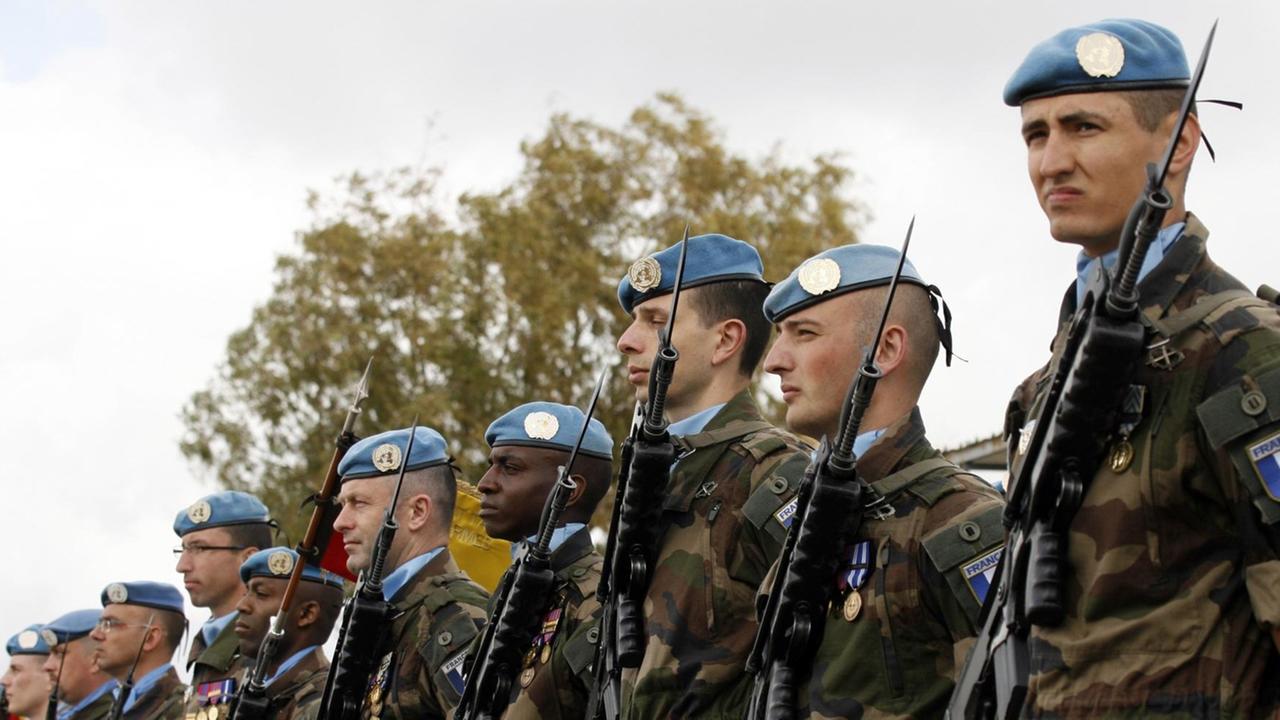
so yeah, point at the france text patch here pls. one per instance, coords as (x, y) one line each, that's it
(452, 669)
(1265, 457)
(980, 574)
(787, 513)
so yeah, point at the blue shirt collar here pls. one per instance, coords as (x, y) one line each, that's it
(214, 626)
(558, 536)
(695, 422)
(865, 440)
(401, 576)
(285, 666)
(141, 687)
(103, 689)
(1159, 247)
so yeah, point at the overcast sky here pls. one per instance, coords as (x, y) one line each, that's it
(155, 158)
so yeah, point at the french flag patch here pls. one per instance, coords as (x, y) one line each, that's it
(1265, 457)
(980, 574)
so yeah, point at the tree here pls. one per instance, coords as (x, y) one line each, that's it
(474, 307)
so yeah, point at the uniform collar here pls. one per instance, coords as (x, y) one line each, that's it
(214, 627)
(1158, 249)
(392, 584)
(289, 663)
(88, 700)
(895, 441)
(144, 685)
(558, 537)
(696, 422)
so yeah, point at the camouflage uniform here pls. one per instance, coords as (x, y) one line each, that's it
(1174, 578)
(919, 603)
(437, 615)
(296, 694)
(559, 686)
(721, 535)
(96, 710)
(163, 700)
(212, 664)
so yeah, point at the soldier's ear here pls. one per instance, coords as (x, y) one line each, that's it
(580, 486)
(730, 338)
(308, 614)
(419, 509)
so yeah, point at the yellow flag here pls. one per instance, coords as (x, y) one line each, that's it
(484, 558)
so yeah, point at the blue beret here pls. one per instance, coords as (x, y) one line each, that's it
(278, 562)
(550, 425)
(72, 626)
(219, 509)
(28, 642)
(835, 272)
(1107, 55)
(382, 453)
(161, 596)
(711, 258)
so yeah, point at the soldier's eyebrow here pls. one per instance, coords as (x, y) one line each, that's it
(794, 324)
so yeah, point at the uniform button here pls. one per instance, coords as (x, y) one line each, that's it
(778, 485)
(1253, 403)
(579, 572)
(593, 635)
(970, 531)
(445, 638)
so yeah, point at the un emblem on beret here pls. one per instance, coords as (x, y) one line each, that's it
(199, 512)
(50, 639)
(819, 275)
(541, 425)
(1100, 54)
(280, 563)
(28, 639)
(645, 274)
(386, 457)
(117, 593)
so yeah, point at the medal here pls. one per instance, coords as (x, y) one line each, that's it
(1121, 455)
(545, 657)
(202, 715)
(852, 606)
(526, 677)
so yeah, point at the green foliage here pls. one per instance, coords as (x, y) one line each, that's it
(473, 307)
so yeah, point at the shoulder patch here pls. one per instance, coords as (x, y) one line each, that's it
(966, 553)
(1228, 414)
(452, 670)
(772, 504)
(980, 574)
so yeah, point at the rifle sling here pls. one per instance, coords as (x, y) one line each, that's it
(895, 483)
(1175, 324)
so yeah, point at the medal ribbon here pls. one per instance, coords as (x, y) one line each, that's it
(855, 575)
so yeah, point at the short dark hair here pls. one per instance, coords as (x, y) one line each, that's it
(437, 482)
(737, 300)
(250, 535)
(597, 473)
(174, 626)
(328, 600)
(1151, 107)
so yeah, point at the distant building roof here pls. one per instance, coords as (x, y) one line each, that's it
(985, 454)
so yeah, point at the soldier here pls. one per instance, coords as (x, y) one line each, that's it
(1173, 558)
(84, 689)
(141, 625)
(218, 532)
(295, 680)
(720, 533)
(913, 580)
(529, 445)
(438, 608)
(26, 685)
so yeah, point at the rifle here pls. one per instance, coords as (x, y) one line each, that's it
(647, 456)
(364, 619)
(829, 508)
(126, 688)
(1103, 346)
(521, 602)
(252, 702)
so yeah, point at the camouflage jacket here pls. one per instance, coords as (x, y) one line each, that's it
(437, 615)
(96, 710)
(724, 523)
(895, 637)
(218, 661)
(296, 694)
(1174, 577)
(163, 701)
(556, 677)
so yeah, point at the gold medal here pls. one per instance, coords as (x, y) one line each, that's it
(526, 677)
(375, 694)
(1121, 456)
(201, 714)
(545, 657)
(375, 710)
(852, 606)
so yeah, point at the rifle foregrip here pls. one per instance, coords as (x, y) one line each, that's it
(630, 633)
(782, 693)
(1045, 605)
